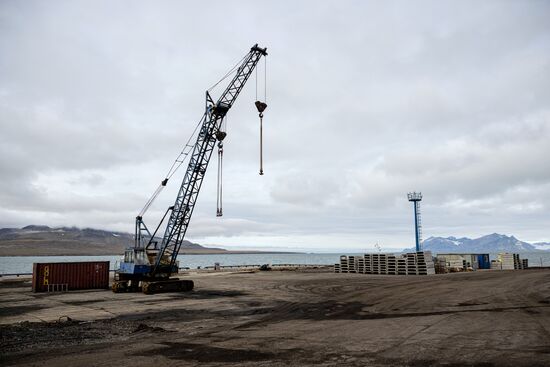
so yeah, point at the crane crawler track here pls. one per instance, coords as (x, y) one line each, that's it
(152, 287)
(170, 285)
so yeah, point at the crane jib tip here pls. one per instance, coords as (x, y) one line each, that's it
(263, 51)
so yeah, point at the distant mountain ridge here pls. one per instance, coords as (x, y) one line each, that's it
(490, 243)
(39, 240)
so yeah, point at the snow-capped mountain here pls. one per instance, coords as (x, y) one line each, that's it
(542, 245)
(490, 243)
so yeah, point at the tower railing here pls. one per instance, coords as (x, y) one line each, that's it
(416, 197)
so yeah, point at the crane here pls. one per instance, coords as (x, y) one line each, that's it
(150, 263)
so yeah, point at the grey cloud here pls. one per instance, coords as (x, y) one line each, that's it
(366, 102)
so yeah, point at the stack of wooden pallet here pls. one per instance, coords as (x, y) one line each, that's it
(506, 261)
(375, 263)
(368, 263)
(411, 263)
(452, 262)
(518, 264)
(415, 263)
(360, 261)
(352, 264)
(344, 264)
(382, 263)
(424, 263)
(401, 266)
(391, 268)
(440, 265)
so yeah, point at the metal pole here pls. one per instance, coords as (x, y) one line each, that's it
(416, 226)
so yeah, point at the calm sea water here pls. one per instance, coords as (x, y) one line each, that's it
(23, 264)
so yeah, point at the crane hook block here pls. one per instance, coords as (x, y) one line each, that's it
(220, 135)
(261, 106)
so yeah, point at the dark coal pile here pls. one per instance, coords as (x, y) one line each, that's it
(63, 333)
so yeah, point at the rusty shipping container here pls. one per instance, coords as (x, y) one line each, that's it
(70, 276)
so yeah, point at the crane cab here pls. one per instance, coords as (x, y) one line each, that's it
(135, 262)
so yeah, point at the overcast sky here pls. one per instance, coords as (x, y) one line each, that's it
(367, 100)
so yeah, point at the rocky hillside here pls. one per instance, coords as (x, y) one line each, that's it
(42, 240)
(490, 243)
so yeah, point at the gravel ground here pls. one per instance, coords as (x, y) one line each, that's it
(486, 318)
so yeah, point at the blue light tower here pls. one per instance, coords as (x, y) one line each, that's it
(416, 197)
